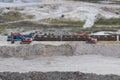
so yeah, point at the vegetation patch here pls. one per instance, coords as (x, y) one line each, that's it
(111, 21)
(30, 25)
(98, 29)
(30, 16)
(67, 22)
(11, 16)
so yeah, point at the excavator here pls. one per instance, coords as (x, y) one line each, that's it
(23, 39)
(89, 39)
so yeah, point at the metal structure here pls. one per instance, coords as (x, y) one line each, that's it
(68, 37)
(76, 37)
(24, 40)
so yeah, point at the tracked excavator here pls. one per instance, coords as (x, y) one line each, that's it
(23, 39)
(89, 39)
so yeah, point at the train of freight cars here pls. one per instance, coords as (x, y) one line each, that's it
(53, 37)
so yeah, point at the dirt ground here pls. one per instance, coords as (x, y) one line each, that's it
(55, 76)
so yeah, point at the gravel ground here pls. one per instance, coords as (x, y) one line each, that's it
(85, 63)
(55, 76)
(64, 56)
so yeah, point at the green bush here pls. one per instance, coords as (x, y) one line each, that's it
(11, 16)
(111, 21)
(30, 16)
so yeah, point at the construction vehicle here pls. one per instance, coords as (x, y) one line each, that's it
(27, 39)
(89, 39)
(18, 38)
(22, 38)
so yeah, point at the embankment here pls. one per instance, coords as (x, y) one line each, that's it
(55, 58)
(112, 50)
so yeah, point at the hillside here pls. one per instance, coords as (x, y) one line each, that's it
(59, 13)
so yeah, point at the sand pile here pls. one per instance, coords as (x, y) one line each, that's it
(102, 49)
(35, 50)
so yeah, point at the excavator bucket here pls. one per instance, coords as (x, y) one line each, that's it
(94, 41)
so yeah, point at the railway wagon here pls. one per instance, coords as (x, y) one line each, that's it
(74, 37)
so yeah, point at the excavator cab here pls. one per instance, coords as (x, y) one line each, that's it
(89, 39)
(26, 40)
